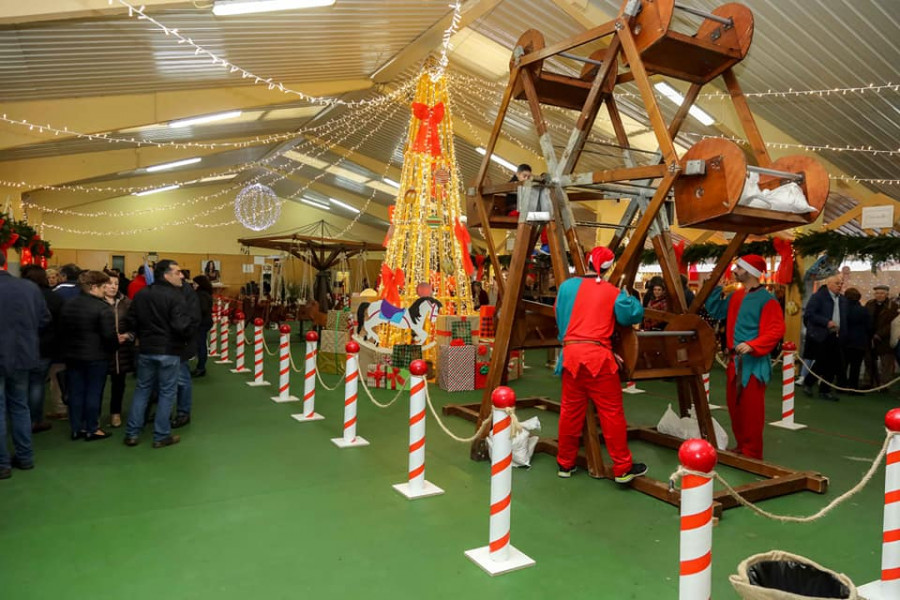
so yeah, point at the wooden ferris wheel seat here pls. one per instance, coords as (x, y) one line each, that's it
(652, 355)
(553, 88)
(710, 201)
(699, 57)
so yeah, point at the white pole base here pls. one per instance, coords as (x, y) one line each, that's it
(429, 489)
(482, 558)
(223, 362)
(281, 400)
(244, 370)
(787, 425)
(258, 383)
(342, 443)
(304, 419)
(716, 407)
(872, 591)
(632, 391)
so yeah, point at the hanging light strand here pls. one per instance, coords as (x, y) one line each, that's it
(444, 59)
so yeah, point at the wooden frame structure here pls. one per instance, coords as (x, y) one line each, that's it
(641, 43)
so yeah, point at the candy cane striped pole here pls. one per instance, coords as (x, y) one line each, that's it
(631, 388)
(239, 344)
(351, 381)
(417, 486)
(695, 581)
(889, 584)
(706, 389)
(214, 333)
(309, 382)
(223, 339)
(787, 390)
(258, 356)
(284, 367)
(499, 556)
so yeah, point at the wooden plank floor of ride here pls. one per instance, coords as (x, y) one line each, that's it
(640, 42)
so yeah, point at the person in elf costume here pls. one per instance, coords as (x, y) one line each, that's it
(587, 310)
(755, 325)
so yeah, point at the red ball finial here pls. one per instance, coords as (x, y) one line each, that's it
(503, 397)
(789, 347)
(418, 367)
(312, 336)
(258, 322)
(239, 316)
(698, 455)
(482, 350)
(285, 328)
(892, 419)
(352, 347)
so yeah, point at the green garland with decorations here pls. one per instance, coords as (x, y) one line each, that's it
(19, 235)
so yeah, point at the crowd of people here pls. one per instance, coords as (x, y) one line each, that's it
(75, 329)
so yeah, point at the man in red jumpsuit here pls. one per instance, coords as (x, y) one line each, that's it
(755, 325)
(587, 309)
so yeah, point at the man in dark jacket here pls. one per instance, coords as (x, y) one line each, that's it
(823, 316)
(24, 314)
(158, 317)
(185, 389)
(880, 357)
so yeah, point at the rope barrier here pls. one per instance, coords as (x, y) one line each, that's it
(724, 364)
(266, 348)
(376, 402)
(484, 425)
(843, 389)
(325, 385)
(790, 518)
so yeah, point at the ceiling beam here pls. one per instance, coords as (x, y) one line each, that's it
(18, 12)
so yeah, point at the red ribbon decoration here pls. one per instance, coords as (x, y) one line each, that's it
(679, 251)
(390, 284)
(785, 249)
(427, 138)
(465, 241)
(479, 260)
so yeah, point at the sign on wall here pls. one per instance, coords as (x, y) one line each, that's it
(877, 217)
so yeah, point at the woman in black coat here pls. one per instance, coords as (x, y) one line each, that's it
(88, 331)
(122, 361)
(855, 337)
(205, 297)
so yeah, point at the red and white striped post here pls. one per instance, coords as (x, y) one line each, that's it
(499, 556)
(258, 357)
(351, 383)
(706, 389)
(695, 581)
(239, 344)
(889, 584)
(309, 382)
(417, 486)
(284, 366)
(787, 390)
(631, 388)
(223, 339)
(214, 333)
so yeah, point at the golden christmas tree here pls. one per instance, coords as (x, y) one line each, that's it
(428, 243)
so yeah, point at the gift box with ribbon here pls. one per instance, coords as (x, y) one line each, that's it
(515, 364)
(333, 341)
(403, 354)
(450, 327)
(456, 368)
(396, 378)
(481, 373)
(487, 325)
(376, 376)
(338, 320)
(331, 362)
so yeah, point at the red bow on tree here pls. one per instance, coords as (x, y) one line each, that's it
(679, 251)
(479, 260)
(390, 284)
(785, 249)
(465, 240)
(427, 138)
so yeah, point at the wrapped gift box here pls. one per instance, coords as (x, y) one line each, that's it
(403, 354)
(481, 373)
(456, 368)
(444, 329)
(515, 364)
(376, 376)
(396, 378)
(338, 320)
(333, 341)
(331, 362)
(487, 322)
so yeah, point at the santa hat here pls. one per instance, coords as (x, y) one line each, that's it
(753, 264)
(601, 258)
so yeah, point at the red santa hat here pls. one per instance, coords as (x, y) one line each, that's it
(601, 258)
(752, 263)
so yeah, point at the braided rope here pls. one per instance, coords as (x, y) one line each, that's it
(325, 385)
(843, 389)
(790, 518)
(365, 388)
(484, 425)
(266, 347)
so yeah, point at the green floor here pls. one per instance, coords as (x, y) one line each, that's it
(253, 504)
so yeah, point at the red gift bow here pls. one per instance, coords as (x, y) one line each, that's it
(482, 350)
(679, 251)
(479, 260)
(457, 342)
(428, 130)
(785, 249)
(395, 378)
(391, 282)
(13, 237)
(465, 241)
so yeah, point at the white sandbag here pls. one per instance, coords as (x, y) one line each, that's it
(523, 444)
(785, 198)
(685, 428)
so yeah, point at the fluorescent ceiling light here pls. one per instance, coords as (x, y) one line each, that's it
(675, 96)
(232, 114)
(306, 159)
(500, 161)
(173, 165)
(382, 187)
(223, 8)
(315, 204)
(343, 205)
(391, 182)
(212, 178)
(157, 190)
(348, 174)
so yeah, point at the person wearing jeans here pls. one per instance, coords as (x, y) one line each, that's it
(49, 348)
(162, 370)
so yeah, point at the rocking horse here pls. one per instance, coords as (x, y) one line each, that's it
(370, 315)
